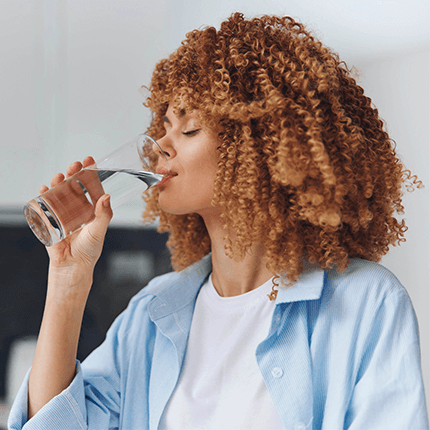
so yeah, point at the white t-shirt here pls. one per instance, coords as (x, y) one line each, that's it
(220, 386)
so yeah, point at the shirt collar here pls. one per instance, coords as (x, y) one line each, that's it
(183, 289)
(308, 287)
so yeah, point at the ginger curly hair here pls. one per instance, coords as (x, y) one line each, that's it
(306, 168)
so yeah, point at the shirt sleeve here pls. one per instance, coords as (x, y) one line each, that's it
(92, 400)
(389, 390)
(65, 411)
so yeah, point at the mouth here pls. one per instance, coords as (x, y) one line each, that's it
(167, 176)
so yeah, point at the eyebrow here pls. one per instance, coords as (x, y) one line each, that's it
(180, 115)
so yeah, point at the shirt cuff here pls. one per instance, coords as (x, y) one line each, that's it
(65, 411)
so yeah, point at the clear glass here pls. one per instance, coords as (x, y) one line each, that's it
(70, 205)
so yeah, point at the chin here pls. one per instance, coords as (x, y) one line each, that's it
(178, 204)
(171, 207)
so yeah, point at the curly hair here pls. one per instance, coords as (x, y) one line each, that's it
(306, 168)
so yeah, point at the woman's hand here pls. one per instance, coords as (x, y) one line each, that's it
(79, 252)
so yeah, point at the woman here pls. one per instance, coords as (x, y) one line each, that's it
(280, 200)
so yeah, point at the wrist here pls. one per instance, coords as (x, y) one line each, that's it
(69, 284)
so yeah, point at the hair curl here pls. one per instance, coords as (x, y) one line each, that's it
(306, 168)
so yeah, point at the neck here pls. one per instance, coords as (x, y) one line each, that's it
(231, 277)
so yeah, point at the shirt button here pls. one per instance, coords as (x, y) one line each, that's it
(299, 426)
(277, 372)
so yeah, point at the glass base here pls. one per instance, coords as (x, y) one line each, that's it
(41, 221)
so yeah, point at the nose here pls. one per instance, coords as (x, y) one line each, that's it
(164, 148)
(156, 148)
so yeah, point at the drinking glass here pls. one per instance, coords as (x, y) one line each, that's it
(70, 205)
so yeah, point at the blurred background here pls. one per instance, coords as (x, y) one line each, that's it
(71, 73)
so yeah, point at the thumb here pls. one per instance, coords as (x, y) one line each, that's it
(90, 243)
(103, 215)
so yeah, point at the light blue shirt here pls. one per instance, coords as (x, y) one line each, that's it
(342, 352)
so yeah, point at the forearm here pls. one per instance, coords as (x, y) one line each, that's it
(53, 366)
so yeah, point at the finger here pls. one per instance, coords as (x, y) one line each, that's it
(59, 177)
(103, 214)
(88, 161)
(103, 208)
(73, 168)
(43, 189)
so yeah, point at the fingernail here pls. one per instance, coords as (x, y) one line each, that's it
(106, 202)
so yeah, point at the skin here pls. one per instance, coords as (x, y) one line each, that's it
(192, 155)
(193, 158)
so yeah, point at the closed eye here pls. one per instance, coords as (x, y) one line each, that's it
(191, 132)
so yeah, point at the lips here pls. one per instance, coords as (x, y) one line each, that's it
(167, 175)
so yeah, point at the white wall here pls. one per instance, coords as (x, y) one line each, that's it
(71, 72)
(399, 86)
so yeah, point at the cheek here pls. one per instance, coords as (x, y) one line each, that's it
(203, 166)
(192, 190)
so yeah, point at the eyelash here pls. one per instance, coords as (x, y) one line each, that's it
(191, 133)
